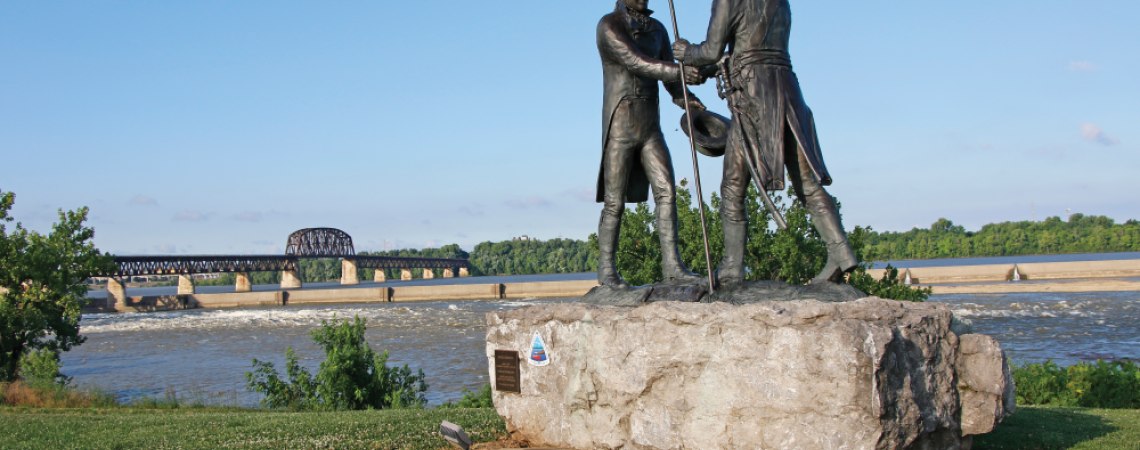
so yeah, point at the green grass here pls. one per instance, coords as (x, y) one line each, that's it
(1032, 428)
(131, 428)
(1050, 428)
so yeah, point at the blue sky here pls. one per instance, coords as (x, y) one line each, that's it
(218, 127)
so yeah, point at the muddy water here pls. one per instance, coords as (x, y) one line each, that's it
(1064, 327)
(205, 353)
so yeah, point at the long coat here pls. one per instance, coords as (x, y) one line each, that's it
(634, 58)
(764, 93)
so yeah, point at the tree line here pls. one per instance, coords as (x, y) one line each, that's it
(1079, 234)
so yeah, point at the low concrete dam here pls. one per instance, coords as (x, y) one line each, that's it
(983, 278)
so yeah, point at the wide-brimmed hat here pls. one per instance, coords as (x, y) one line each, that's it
(712, 132)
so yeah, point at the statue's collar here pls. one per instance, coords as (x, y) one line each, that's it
(637, 19)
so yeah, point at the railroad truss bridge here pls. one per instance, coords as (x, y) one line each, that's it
(306, 243)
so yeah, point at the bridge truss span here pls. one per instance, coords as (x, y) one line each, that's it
(397, 262)
(305, 243)
(320, 242)
(191, 264)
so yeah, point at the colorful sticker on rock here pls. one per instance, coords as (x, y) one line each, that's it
(539, 354)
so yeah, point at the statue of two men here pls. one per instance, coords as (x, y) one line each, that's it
(772, 128)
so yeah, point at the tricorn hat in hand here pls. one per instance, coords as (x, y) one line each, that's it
(712, 132)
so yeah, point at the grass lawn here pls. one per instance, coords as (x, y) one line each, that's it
(131, 428)
(1045, 428)
(1032, 428)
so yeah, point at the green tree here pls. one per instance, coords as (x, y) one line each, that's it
(45, 281)
(794, 255)
(353, 376)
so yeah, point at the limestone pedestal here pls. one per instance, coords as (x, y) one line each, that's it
(379, 276)
(866, 374)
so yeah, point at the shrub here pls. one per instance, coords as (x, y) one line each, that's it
(353, 376)
(890, 286)
(1105, 384)
(482, 399)
(41, 368)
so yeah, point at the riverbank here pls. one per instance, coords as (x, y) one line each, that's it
(35, 429)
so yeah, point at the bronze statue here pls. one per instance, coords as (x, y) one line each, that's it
(636, 55)
(771, 128)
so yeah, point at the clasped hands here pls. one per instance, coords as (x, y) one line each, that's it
(692, 74)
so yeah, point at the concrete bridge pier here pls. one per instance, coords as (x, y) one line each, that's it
(243, 284)
(290, 279)
(405, 275)
(185, 285)
(380, 276)
(447, 273)
(348, 272)
(116, 295)
(429, 274)
(463, 272)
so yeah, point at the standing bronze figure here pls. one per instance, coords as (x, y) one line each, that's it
(772, 127)
(636, 54)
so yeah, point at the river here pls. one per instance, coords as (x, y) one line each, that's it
(205, 353)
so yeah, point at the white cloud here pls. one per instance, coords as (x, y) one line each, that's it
(474, 210)
(586, 195)
(248, 217)
(1093, 133)
(1083, 66)
(166, 248)
(142, 200)
(191, 216)
(529, 202)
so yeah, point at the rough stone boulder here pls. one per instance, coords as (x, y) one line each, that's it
(984, 384)
(867, 374)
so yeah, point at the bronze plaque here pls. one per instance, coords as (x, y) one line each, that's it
(507, 371)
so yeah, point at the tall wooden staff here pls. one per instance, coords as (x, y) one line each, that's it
(693, 148)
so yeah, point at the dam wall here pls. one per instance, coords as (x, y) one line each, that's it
(980, 274)
(1028, 271)
(382, 294)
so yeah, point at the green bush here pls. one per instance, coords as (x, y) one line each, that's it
(353, 376)
(1105, 384)
(41, 368)
(482, 399)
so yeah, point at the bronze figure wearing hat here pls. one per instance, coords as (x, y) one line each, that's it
(772, 127)
(636, 54)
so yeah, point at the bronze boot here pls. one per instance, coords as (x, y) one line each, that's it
(673, 270)
(608, 231)
(731, 270)
(840, 258)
